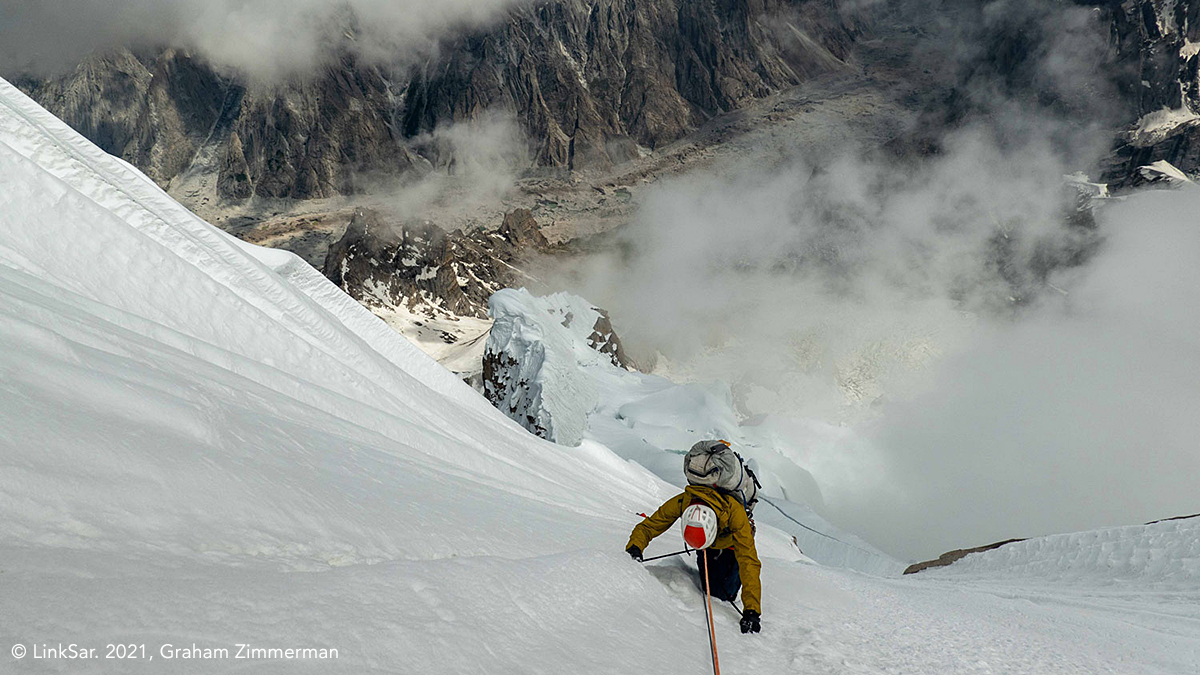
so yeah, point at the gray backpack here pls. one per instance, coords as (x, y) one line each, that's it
(715, 464)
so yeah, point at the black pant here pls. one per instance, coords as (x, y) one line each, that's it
(723, 578)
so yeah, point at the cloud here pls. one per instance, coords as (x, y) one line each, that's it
(831, 276)
(266, 39)
(1081, 414)
(994, 370)
(474, 164)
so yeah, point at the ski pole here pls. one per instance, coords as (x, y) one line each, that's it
(712, 631)
(668, 555)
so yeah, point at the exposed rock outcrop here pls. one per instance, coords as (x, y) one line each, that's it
(593, 83)
(1129, 65)
(521, 230)
(419, 266)
(604, 340)
(308, 139)
(954, 556)
(593, 80)
(319, 137)
(1110, 544)
(1167, 520)
(154, 112)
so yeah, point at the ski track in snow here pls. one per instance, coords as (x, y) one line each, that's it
(206, 443)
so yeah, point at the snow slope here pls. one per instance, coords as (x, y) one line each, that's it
(208, 442)
(204, 444)
(126, 312)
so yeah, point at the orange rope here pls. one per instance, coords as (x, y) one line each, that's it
(712, 631)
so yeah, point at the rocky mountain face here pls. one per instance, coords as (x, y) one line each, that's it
(589, 81)
(593, 81)
(314, 138)
(433, 284)
(421, 267)
(1157, 65)
(174, 117)
(155, 111)
(1127, 65)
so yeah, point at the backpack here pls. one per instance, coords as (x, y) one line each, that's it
(715, 464)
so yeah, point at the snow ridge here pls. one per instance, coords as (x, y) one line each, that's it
(1162, 553)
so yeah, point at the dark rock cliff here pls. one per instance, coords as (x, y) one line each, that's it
(154, 111)
(1060, 69)
(593, 83)
(594, 80)
(589, 81)
(1157, 70)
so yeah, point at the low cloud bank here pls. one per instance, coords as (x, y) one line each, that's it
(995, 372)
(1081, 414)
(265, 39)
(967, 356)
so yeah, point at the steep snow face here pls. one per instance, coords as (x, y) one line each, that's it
(206, 442)
(168, 387)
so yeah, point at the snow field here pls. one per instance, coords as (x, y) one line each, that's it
(205, 443)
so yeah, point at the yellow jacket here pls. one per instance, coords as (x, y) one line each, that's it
(734, 532)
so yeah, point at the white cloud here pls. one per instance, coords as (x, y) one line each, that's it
(910, 302)
(982, 403)
(1081, 414)
(266, 39)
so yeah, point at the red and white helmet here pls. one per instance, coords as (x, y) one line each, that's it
(699, 525)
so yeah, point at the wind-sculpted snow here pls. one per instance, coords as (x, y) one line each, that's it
(535, 362)
(1163, 553)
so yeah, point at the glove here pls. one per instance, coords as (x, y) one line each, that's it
(635, 553)
(750, 622)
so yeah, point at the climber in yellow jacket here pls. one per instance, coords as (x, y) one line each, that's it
(731, 559)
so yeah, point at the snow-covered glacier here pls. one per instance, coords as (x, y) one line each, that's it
(206, 448)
